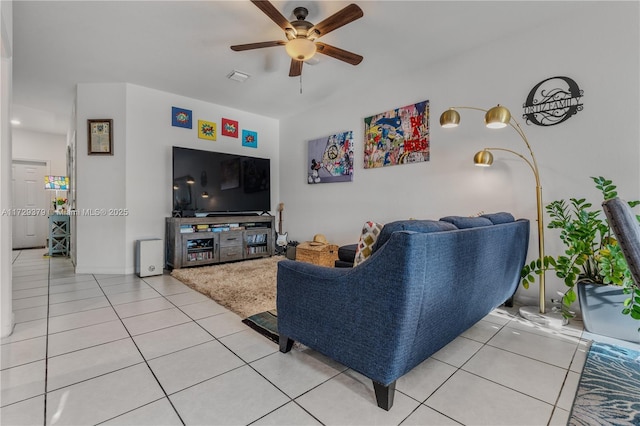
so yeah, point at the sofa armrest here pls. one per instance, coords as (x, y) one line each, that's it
(362, 317)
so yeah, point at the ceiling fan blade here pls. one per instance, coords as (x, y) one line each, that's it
(260, 45)
(296, 68)
(337, 20)
(268, 9)
(341, 54)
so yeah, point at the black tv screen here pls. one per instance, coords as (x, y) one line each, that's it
(214, 182)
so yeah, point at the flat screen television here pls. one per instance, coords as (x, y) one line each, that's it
(215, 182)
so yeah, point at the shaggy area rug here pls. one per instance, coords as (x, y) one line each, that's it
(246, 288)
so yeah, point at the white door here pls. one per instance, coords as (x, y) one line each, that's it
(30, 204)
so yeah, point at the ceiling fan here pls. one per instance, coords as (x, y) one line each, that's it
(301, 35)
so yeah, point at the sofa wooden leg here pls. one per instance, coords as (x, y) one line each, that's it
(384, 394)
(285, 344)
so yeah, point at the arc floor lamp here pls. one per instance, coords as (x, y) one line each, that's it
(496, 118)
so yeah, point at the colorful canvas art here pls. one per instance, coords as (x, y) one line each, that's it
(330, 159)
(181, 117)
(60, 183)
(399, 136)
(207, 130)
(229, 128)
(249, 139)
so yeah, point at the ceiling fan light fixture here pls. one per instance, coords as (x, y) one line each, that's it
(300, 49)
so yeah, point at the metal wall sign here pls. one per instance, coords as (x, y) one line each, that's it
(552, 101)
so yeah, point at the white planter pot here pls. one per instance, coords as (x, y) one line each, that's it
(601, 307)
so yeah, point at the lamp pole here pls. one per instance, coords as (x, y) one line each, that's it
(499, 117)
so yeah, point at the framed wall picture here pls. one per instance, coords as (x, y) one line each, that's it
(100, 136)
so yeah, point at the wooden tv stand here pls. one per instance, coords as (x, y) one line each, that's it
(195, 241)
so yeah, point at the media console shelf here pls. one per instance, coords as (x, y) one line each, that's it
(195, 241)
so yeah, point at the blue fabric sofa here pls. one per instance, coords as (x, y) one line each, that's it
(426, 283)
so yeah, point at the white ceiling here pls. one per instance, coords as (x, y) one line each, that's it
(182, 47)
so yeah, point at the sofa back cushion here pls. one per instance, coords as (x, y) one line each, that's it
(465, 222)
(424, 226)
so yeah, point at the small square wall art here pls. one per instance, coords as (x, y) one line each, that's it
(181, 117)
(399, 136)
(330, 159)
(229, 128)
(249, 139)
(207, 130)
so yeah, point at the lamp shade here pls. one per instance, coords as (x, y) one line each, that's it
(497, 117)
(300, 49)
(449, 118)
(483, 158)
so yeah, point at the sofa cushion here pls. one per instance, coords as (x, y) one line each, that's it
(464, 222)
(368, 237)
(498, 218)
(424, 226)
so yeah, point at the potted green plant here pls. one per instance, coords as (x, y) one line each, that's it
(592, 258)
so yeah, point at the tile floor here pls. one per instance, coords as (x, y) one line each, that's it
(121, 350)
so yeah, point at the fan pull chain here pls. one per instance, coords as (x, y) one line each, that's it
(301, 84)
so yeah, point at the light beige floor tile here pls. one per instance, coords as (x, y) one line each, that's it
(249, 345)
(545, 349)
(203, 309)
(289, 415)
(28, 413)
(30, 302)
(193, 365)
(125, 287)
(96, 400)
(81, 319)
(78, 306)
(560, 417)
(133, 296)
(425, 378)
(482, 331)
(459, 351)
(30, 314)
(74, 367)
(428, 416)
(487, 403)
(534, 378)
(140, 307)
(157, 413)
(22, 382)
(187, 298)
(110, 280)
(155, 321)
(22, 352)
(569, 389)
(85, 337)
(237, 397)
(171, 339)
(27, 330)
(297, 371)
(29, 292)
(580, 357)
(223, 324)
(70, 296)
(352, 401)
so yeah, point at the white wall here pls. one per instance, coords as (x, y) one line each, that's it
(101, 182)
(143, 167)
(6, 65)
(598, 48)
(48, 147)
